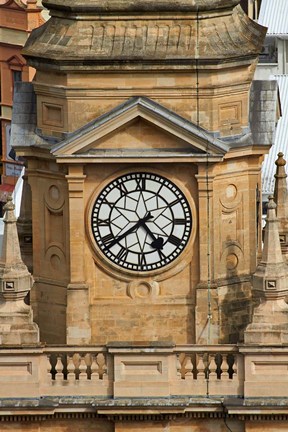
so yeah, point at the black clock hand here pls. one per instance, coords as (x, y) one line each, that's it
(130, 230)
(157, 243)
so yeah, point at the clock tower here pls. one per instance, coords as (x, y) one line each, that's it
(143, 143)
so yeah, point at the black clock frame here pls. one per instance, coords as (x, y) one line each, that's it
(157, 243)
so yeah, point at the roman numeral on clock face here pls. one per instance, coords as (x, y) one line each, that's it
(103, 222)
(122, 254)
(174, 240)
(140, 184)
(107, 239)
(122, 188)
(142, 260)
(105, 201)
(179, 221)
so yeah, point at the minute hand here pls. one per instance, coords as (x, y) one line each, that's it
(130, 230)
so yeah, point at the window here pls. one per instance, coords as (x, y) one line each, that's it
(251, 8)
(17, 76)
(269, 53)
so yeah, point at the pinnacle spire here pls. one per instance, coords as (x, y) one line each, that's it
(270, 284)
(10, 254)
(270, 279)
(281, 199)
(16, 318)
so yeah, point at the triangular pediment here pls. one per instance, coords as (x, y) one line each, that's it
(13, 4)
(140, 127)
(15, 61)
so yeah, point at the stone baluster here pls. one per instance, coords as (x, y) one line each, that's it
(49, 367)
(82, 368)
(104, 368)
(178, 366)
(225, 367)
(101, 361)
(188, 367)
(201, 367)
(59, 369)
(95, 372)
(212, 367)
(71, 376)
(235, 367)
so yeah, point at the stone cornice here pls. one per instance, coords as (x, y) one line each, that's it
(35, 409)
(116, 6)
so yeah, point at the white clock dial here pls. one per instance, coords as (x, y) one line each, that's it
(141, 221)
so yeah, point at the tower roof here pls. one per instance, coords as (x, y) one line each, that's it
(96, 35)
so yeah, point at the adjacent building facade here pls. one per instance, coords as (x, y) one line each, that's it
(273, 65)
(251, 8)
(144, 137)
(17, 19)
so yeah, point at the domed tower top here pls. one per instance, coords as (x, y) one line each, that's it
(125, 34)
(160, 49)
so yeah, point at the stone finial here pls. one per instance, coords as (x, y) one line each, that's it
(32, 4)
(271, 276)
(280, 161)
(280, 190)
(270, 283)
(271, 205)
(271, 251)
(10, 254)
(16, 320)
(281, 199)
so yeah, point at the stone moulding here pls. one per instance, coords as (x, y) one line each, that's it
(136, 5)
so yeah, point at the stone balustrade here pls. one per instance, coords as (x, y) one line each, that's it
(123, 371)
(210, 370)
(119, 371)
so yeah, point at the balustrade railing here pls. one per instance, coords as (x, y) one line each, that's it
(209, 362)
(76, 365)
(116, 371)
(123, 370)
(215, 370)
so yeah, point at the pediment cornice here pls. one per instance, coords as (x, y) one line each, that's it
(197, 142)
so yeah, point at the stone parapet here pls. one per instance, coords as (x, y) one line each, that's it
(121, 371)
(110, 373)
(156, 381)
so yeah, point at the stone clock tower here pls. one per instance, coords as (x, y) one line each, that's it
(143, 143)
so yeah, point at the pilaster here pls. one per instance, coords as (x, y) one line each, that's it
(24, 225)
(207, 314)
(78, 314)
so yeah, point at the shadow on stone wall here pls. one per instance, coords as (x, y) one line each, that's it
(236, 305)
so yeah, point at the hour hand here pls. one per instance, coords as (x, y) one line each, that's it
(157, 243)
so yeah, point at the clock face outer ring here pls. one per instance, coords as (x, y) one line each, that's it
(123, 241)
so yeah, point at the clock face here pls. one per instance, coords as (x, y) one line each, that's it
(141, 221)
